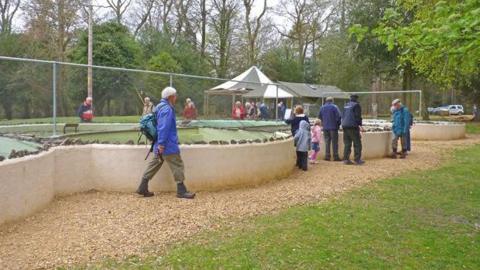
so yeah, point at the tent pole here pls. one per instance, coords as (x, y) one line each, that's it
(276, 103)
(233, 102)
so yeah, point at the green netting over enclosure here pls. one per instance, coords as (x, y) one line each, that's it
(233, 123)
(186, 135)
(7, 145)
(45, 130)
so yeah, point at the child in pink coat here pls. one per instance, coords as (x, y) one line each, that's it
(316, 133)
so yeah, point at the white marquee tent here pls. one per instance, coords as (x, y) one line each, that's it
(251, 83)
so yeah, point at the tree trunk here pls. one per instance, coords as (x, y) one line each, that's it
(109, 112)
(407, 82)
(7, 107)
(26, 109)
(426, 100)
(204, 28)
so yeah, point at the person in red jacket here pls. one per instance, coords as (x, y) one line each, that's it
(85, 111)
(190, 111)
(238, 111)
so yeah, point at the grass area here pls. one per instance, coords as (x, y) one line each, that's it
(473, 128)
(424, 220)
(72, 119)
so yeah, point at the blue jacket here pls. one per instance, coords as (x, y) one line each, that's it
(401, 121)
(330, 116)
(352, 115)
(295, 122)
(263, 111)
(303, 138)
(166, 128)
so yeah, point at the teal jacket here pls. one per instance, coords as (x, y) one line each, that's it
(401, 121)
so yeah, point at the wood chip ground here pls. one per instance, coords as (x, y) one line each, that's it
(88, 227)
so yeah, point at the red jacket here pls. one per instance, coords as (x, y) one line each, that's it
(190, 113)
(242, 113)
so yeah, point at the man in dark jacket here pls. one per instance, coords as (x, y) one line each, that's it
(166, 147)
(331, 120)
(352, 125)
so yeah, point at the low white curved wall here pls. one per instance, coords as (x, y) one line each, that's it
(28, 184)
(374, 145)
(438, 132)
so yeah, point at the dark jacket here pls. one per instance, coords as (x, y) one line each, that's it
(330, 116)
(352, 115)
(166, 129)
(84, 107)
(295, 122)
(263, 111)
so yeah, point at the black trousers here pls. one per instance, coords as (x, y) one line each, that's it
(331, 141)
(302, 160)
(352, 135)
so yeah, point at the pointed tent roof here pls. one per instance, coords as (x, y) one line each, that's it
(251, 83)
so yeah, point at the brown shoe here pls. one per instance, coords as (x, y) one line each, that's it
(146, 193)
(393, 155)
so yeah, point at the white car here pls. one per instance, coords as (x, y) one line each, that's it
(456, 109)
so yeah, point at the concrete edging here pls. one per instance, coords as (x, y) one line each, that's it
(438, 132)
(29, 183)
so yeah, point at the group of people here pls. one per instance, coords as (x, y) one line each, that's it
(251, 111)
(306, 138)
(189, 110)
(330, 119)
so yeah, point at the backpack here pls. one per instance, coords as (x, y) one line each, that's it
(148, 128)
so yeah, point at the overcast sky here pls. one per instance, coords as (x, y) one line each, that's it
(103, 12)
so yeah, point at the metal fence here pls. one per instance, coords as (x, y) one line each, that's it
(50, 92)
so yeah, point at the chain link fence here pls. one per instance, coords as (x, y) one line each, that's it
(49, 94)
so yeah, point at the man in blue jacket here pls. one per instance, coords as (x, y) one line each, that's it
(166, 147)
(331, 120)
(400, 127)
(352, 125)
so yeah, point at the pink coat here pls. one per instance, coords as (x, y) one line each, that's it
(316, 133)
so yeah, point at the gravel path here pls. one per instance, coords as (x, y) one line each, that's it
(90, 226)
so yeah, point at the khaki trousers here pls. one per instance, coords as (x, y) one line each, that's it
(175, 163)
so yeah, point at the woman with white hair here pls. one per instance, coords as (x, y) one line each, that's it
(85, 111)
(189, 112)
(238, 111)
(147, 106)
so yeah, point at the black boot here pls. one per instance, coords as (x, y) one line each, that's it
(403, 154)
(183, 193)
(143, 189)
(393, 155)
